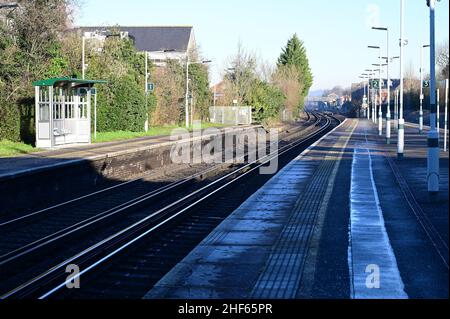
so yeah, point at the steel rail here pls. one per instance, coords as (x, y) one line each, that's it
(51, 238)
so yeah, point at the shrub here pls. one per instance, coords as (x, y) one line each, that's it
(266, 100)
(121, 106)
(9, 121)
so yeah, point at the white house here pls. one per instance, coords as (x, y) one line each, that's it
(161, 42)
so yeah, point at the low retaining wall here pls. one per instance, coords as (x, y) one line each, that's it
(41, 187)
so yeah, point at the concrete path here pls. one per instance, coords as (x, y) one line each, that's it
(334, 223)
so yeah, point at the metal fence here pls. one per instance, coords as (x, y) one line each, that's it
(233, 115)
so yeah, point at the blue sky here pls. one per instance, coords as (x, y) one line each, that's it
(335, 33)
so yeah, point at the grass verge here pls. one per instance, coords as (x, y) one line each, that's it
(152, 131)
(9, 148)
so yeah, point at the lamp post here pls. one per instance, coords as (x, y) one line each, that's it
(391, 59)
(363, 76)
(368, 94)
(421, 88)
(380, 114)
(388, 111)
(433, 136)
(401, 121)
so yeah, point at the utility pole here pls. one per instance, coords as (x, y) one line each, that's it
(401, 121)
(433, 136)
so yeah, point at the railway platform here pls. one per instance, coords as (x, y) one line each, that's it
(47, 159)
(345, 219)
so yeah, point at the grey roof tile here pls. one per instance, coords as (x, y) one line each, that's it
(156, 38)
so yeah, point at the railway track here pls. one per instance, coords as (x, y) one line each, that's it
(175, 224)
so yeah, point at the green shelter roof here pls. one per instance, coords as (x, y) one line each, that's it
(67, 81)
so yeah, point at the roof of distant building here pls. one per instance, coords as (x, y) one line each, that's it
(153, 38)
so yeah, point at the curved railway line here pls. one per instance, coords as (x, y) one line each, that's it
(124, 246)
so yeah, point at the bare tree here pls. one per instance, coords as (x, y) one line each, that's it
(442, 60)
(266, 71)
(286, 79)
(411, 78)
(170, 93)
(241, 74)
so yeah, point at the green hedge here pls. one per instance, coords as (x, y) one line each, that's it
(9, 121)
(121, 106)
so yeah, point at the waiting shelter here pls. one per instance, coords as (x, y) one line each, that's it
(63, 111)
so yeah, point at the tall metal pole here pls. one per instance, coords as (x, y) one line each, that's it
(374, 106)
(388, 112)
(368, 100)
(396, 110)
(364, 97)
(369, 115)
(187, 91)
(380, 114)
(401, 121)
(374, 102)
(421, 92)
(433, 136)
(445, 115)
(83, 65)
